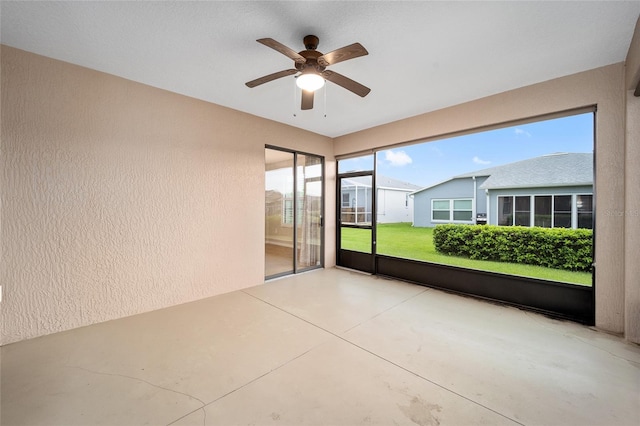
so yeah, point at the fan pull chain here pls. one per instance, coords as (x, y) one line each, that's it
(294, 99)
(325, 99)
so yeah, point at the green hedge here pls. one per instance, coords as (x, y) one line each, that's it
(558, 248)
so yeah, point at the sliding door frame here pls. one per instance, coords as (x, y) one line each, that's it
(296, 269)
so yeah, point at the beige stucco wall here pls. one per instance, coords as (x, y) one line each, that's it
(603, 87)
(632, 220)
(632, 60)
(632, 192)
(119, 198)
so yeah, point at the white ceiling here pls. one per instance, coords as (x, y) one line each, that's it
(423, 56)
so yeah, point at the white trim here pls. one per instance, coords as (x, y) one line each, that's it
(474, 208)
(574, 212)
(486, 191)
(451, 210)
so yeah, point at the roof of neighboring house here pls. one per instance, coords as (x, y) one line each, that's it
(560, 169)
(384, 182)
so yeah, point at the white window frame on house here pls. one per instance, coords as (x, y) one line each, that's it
(451, 210)
(574, 212)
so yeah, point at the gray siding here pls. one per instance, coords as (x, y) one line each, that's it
(452, 189)
(481, 195)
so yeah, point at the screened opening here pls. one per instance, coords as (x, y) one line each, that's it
(536, 175)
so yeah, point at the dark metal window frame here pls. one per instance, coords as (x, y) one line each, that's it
(555, 299)
(353, 259)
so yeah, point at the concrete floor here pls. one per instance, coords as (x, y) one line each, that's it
(329, 347)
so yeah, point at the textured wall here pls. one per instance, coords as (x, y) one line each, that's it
(632, 220)
(632, 189)
(603, 87)
(632, 61)
(119, 198)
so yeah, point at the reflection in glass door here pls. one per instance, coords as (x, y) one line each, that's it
(278, 219)
(293, 212)
(309, 208)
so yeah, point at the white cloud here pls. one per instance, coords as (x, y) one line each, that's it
(399, 158)
(519, 132)
(479, 160)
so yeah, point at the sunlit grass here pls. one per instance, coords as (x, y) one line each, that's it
(403, 240)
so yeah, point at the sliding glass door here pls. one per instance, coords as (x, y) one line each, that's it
(293, 212)
(278, 219)
(309, 208)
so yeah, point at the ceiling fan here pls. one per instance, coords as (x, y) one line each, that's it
(311, 66)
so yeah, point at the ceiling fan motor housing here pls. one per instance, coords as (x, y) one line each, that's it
(311, 55)
(311, 42)
(312, 61)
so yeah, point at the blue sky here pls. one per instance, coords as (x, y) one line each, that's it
(428, 163)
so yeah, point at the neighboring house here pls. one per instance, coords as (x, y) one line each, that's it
(393, 201)
(552, 191)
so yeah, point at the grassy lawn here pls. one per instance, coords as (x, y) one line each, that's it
(403, 240)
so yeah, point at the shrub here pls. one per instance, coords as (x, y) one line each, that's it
(559, 248)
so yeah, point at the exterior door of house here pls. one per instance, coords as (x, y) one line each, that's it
(294, 202)
(356, 221)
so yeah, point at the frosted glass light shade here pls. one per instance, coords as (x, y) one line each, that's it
(310, 82)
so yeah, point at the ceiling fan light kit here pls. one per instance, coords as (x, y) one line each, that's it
(310, 65)
(309, 81)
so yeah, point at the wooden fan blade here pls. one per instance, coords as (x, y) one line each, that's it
(286, 51)
(344, 53)
(307, 100)
(346, 82)
(270, 77)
